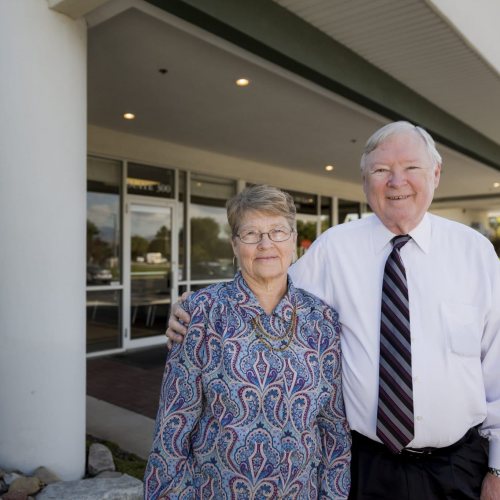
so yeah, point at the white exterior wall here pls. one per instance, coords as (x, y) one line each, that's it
(119, 145)
(466, 216)
(42, 250)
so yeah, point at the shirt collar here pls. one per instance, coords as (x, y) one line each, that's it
(244, 299)
(421, 235)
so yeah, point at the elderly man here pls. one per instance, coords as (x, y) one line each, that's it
(419, 301)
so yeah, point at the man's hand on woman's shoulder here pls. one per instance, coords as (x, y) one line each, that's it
(177, 321)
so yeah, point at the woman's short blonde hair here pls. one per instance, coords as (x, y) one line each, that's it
(260, 198)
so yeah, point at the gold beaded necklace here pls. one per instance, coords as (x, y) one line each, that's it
(265, 338)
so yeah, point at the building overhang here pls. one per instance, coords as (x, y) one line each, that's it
(274, 33)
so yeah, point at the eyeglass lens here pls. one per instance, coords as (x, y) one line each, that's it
(276, 235)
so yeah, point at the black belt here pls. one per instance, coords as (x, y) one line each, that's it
(414, 452)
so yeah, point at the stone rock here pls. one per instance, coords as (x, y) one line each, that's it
(15, 495)
(3, 486)
(96, 488)
(27, 485)
(100, 459)
(109, 473)
(10, 477)
(46, 475)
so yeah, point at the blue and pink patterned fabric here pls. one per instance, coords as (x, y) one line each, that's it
(239, 419)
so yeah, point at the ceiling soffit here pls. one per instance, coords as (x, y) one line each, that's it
(413, 44)
(269, 30)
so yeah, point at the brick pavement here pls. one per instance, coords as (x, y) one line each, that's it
(131, 380)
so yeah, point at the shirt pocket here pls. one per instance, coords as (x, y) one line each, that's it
(462, 325)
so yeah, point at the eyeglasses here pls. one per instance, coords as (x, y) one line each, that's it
(276, 235)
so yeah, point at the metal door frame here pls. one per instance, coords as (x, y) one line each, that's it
(127, 342)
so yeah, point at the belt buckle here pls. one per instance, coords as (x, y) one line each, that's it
(415, 452)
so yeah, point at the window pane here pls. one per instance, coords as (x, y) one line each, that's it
(103, 320)
(306, 232)
(349, 210)
(211, 252)
(307, 210)
(211, 190)
(326, 213)
(150, 269)
(494, 227)
(103, 221)
(146, 180)
(305, 203)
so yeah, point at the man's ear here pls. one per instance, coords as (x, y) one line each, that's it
(364, 181)
(437, 175)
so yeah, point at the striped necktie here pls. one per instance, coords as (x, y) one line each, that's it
(395, 424)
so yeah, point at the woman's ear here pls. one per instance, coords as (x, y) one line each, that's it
(294, 251)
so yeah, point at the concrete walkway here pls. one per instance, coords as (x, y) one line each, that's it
(123, 392)
(130, 431)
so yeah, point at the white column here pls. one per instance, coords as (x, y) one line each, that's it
(42, 238)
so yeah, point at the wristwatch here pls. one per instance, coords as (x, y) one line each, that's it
(495, 472)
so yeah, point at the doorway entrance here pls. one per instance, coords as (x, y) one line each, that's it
(152, 267)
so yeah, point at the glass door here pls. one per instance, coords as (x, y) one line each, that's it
(152, 266)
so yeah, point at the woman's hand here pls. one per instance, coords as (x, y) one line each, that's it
(178, 318)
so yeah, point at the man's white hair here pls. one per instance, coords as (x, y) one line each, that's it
(397, 128)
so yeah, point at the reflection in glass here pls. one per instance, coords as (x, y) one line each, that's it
(349, 211)
(306, 232)
(211, 252)
(326, 213)
(307, 218)
(103, 221)
(494, 230)
(103, 320)
(150, 267)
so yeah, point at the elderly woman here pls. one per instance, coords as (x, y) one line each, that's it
(251, 402)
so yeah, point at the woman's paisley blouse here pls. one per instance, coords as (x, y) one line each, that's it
(242, 419)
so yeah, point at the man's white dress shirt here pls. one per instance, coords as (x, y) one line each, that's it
(453, 276)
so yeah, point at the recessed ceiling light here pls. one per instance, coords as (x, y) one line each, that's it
(329, 168)
(242, 82)
(496, 184)
(128, 116)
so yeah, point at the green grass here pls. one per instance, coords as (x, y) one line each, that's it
(142, 267)
(125, 462)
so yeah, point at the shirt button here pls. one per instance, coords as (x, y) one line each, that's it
(419, 418)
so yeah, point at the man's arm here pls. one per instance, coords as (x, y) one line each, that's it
(178, 318)
(334, 475)
(490, 354)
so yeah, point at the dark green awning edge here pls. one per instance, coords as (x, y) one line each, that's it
(275, 34)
